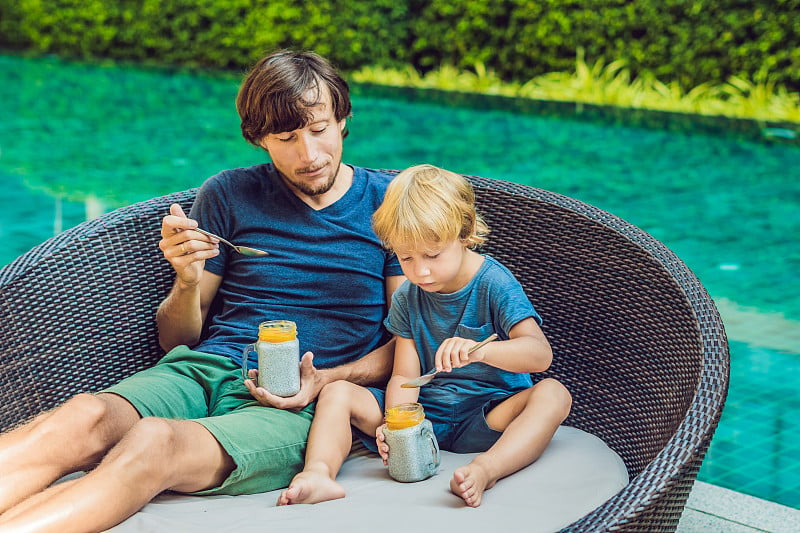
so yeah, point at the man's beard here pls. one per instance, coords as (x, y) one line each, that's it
(311, 190)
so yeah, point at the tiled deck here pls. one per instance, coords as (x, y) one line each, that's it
(712, 509)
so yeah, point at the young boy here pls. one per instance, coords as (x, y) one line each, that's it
(453, 298)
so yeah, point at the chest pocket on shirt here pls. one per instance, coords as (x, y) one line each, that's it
(474, 333)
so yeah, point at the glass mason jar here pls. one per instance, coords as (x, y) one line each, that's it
(278, 357)
(413, 449)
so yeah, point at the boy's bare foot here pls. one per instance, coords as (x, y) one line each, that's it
(469, 482)
(311, 487)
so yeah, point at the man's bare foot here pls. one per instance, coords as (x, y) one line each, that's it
(469, 482)
(311, 487)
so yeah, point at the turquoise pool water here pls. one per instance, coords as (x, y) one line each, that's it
(78, 140)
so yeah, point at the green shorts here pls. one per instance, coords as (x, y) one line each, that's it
(267, 444)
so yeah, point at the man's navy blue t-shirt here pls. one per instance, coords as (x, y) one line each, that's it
(325, 271)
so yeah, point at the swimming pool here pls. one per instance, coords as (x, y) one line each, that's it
(78, 140)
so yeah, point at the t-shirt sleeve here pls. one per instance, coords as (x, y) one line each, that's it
(509, 302)
(391, 265)
(397, 321)
(208, 210)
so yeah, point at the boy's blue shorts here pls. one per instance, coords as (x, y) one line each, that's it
(459, 425)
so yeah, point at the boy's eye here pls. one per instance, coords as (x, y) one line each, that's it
(404, 259)
(432, 256)
(319, 129)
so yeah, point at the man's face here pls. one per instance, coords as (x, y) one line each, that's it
(309, 158)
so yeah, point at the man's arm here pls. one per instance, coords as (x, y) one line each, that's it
(373, 368)
(180, 316)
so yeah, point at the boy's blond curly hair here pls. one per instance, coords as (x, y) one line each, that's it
(426, 204)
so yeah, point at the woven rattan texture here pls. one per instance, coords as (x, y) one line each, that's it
(637, 340)
(77, 313)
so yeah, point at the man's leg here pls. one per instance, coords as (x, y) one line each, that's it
(340, 404)
(155, 455)
(72, 437)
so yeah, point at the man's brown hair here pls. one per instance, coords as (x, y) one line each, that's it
(279, 91)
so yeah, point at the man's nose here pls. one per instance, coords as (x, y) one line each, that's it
(306, 149)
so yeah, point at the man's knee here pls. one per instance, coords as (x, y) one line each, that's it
(89, 407)
(154, 433)
(82, 414)
(78, 425)
(147, 448)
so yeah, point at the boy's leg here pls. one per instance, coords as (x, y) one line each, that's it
(339, 405)
(528, 420)
(71, 437)
(155, 455)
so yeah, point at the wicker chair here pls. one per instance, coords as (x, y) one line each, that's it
(637, 339)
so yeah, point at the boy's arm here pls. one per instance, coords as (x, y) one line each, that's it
(526, 350)
(406, 367)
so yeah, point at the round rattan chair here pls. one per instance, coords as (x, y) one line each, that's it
(637, 340)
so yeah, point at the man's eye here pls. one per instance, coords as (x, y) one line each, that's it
(285, 139)
(431, 256)
(405, 259)
(319, 130)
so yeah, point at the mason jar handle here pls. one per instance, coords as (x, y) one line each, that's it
(431, 436)
(245, 356)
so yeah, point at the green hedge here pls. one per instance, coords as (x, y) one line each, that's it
(209, 33)
(688, 41)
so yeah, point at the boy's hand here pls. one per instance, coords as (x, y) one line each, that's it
(454, 353)
(380, 441)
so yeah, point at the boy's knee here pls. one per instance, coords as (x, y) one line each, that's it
(336, 391)
(557, 394)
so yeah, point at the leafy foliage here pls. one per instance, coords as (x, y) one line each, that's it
(687, 43)
(209, 33)
(609, 84)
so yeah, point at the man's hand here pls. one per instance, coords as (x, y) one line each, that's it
(311, 382)
(185, 250)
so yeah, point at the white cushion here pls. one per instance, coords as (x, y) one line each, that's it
(576, 473)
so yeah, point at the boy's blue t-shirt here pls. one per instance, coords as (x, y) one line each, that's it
(325, 271)
(492, 302)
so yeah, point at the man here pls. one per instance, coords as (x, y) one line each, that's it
(190, 423)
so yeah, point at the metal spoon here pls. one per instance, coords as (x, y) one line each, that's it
(244, 250)
(424, 379)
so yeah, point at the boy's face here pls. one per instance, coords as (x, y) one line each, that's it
(309, 158)
(434, 267)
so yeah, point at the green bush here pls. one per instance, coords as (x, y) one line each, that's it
(210, 33)
(685, 41)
